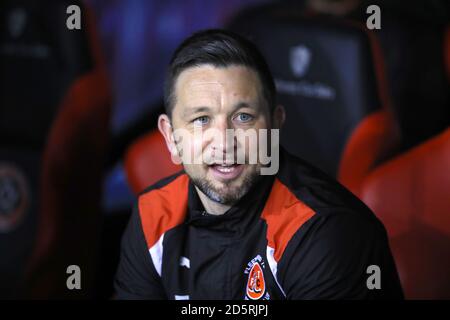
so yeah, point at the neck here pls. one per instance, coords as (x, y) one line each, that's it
(211, 206)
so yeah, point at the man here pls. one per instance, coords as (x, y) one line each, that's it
(227, 227)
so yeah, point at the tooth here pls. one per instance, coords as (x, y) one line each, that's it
(225, 169)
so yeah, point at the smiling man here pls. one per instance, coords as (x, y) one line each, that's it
(244, 219)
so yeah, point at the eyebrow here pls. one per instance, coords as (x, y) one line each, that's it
(240, 105)
(195, 110)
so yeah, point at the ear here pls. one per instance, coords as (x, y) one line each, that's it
(166, 130)
(279, 116)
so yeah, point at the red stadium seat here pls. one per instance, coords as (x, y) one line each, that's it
(370, 143)
(53, 122)
(71, 181)
(148, 161)
(410, 194)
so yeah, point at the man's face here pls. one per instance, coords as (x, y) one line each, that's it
(211, 100)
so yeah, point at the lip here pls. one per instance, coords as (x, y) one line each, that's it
(228, 172)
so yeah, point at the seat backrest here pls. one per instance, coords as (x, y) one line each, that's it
(39, 58)
(147, 161)
(327, 78)
(58, 122)
(410, 195)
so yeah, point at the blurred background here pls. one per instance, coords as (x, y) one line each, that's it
(78, 114)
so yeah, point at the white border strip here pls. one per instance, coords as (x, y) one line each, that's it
(156, 252)
(273, 266)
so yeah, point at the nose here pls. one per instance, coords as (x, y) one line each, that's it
(222, 139)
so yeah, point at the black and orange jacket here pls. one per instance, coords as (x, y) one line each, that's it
(296, 235)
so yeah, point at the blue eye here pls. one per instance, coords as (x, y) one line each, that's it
(244, 117)
(201, 121)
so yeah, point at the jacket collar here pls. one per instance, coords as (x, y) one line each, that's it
(238, 218)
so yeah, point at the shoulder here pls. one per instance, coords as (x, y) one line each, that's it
(306, 203)
(322, 193)
(163, 206)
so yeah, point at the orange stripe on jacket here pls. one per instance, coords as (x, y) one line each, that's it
(163, 209)
(284, 215)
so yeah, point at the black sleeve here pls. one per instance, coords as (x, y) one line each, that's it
(136, 276)
(329, 256)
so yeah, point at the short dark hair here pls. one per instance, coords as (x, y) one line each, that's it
(219, 48)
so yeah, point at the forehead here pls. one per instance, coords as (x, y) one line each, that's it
(206, 83)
